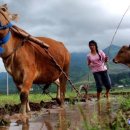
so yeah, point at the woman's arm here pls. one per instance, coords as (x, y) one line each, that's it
(88, 61)
(104, 57)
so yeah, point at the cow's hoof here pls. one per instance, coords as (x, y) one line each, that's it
(23, 109)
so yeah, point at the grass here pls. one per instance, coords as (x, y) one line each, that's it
(10, 99)
(120, 122)
(15, 99)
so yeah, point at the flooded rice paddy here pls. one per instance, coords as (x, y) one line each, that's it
(71, 117)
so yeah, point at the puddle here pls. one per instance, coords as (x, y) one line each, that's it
(68, 118)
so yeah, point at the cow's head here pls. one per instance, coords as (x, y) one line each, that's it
(6, 16)
(5, 23)
(123, 56)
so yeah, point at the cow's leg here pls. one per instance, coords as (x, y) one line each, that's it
(63, 81)
(57, 82)
(62, 88)
(58, 97)
(58, 92)
(28, 107)
(19, 87)
(24, 96)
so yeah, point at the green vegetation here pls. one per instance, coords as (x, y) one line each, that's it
(122, 120)
(14, 98)
(125, 103)
(4, 122)
(11, 99)
(80, 74)
(119, 122)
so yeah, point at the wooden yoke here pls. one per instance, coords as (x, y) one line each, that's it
(29, 37)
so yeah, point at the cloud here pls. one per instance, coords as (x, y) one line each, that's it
(74, 22)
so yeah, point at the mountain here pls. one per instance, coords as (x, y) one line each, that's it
(78, 65)
(3, 75)
(79, 68)
(79, 71)
(3, 83)
(111, 50)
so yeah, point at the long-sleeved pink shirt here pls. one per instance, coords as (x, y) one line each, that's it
(96, 64)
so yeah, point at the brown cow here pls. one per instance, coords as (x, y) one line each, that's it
(29, 63)
(123, 56)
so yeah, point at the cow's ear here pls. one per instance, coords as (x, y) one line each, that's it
(14, 17)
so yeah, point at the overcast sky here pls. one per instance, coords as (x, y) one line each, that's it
(74, 22)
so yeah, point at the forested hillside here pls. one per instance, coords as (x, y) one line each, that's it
(80, 73)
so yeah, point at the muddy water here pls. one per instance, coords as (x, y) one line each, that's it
(69, 118)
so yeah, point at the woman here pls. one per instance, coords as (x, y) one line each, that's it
(96, 61)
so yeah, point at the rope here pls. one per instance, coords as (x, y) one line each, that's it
(46, 50)
(58, 66)
(116, 33)
(44, 46)
(117, 29)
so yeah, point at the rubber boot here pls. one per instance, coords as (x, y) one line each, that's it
(98, 95)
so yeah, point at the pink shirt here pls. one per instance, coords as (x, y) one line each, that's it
(96, 64)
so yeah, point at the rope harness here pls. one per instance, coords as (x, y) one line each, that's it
(45, 46)
(5, 39)
(58, 66)
(27, 38)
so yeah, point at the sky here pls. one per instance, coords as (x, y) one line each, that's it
(74, 22)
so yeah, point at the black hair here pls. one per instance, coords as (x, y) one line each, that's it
(92, 42)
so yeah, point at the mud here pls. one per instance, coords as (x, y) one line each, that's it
(49, 116)
(12, 109)
(68, 118)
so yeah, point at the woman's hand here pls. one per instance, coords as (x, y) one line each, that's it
(106, 59)
(89, 61)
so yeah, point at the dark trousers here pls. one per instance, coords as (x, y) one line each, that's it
(102, 78)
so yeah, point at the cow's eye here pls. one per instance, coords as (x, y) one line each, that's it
(3, 9)
(121, 51)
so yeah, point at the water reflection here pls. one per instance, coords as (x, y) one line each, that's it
(104, 113)
(4, 128)
(70, 118)
(25, 125)
(48, 125)
(62, 120)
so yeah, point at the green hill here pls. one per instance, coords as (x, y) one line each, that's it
(111, 51)
(3, 83)
(80, 73)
